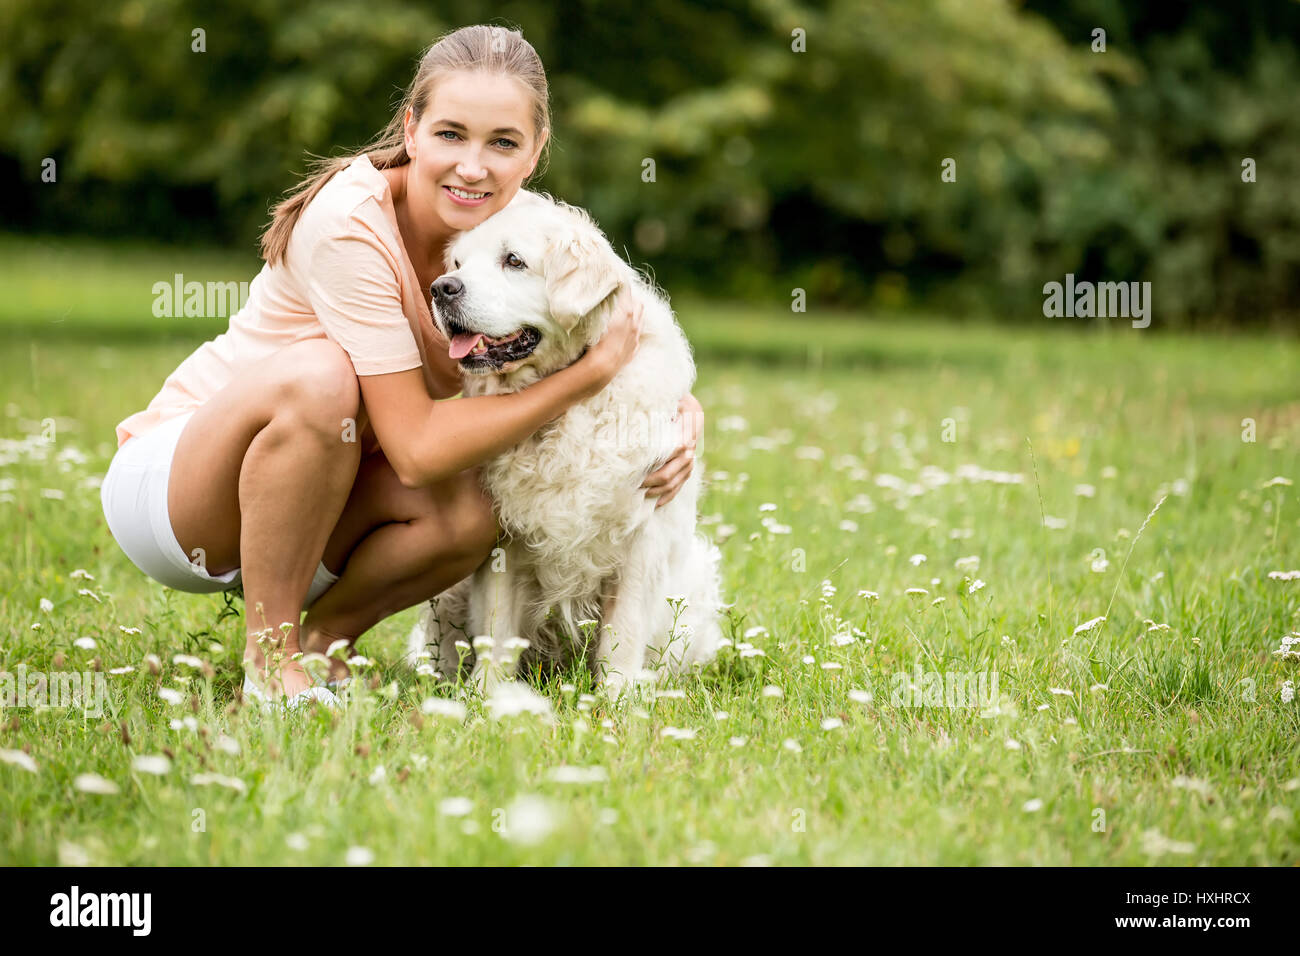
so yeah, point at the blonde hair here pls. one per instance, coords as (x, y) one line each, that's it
(490, 49)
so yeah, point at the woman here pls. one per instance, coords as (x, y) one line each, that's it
(304, 453)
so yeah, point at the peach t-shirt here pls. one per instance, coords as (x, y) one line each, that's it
(346, 278)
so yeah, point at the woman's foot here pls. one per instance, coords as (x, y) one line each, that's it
(316, 640)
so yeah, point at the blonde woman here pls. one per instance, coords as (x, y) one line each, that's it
(305, 454)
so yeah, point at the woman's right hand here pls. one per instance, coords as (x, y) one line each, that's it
(617, 345)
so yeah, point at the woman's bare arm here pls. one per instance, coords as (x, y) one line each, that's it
(428, 441)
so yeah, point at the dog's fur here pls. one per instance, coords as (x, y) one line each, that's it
(582, 542)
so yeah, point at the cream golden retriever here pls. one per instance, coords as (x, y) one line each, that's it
(588, 564)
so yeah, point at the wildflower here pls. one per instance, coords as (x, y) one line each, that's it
(170, 696)
(456, 806)
(832, 723)
(1032, 806)
(860, 696)
(94, 783)
(969, 563)
(566, 774)
(18, 759)
(442, 707)
(296, 841)
(975, 585)
(82, 573)
(738, 741)
(1012, 744)
(1279, 480)
(85, 643)
(47, 605)
(767, 506)
(921, 591)
(917, 560)
(1085, 491)
(128, 630)
(86, 592)
(220, 780)
(188, 660)
(359, 856)
(528, 820)
(831, 666)
(1060, 691)
(511, 698)
(1087, 626)
(1288, 692)
(678, 733)
(156, 764)
(1284, 575)
(1055, 524)
(848, 525)
(869, 595)
(792, 745)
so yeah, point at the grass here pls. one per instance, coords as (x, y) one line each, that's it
(1130, 743)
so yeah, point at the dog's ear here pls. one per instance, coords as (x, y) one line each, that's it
(581, 273)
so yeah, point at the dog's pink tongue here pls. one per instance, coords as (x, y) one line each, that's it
(463, 344)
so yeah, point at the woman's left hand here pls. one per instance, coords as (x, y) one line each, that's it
(668, 480)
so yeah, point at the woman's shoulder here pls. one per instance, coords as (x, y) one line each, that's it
(352, 196)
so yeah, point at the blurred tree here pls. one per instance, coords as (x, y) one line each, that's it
(793, 144)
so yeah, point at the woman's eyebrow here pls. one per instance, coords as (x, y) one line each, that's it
(462, 126)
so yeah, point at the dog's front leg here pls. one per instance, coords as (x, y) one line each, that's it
(497, 614)
(627, 617)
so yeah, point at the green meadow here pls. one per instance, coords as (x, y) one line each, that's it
(1000, 595)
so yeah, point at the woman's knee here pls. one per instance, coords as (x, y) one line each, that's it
(319, 387)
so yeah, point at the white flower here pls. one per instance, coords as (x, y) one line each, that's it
(227, 745)
(869, 595)
(128, 630)
(456, 806)
(296, 841)
(771, 690)
(378, 775)
(1288, 692)
(1284, 575)
(188, 660)
(170, 696)
(47, 605)
(156, 764)
(792, 745)
(920, 591)
(755, 631)
(86, 592)
(676, 733)
(847, 525)
(1061, 691)
(737, 741)
(511, 698)
(82, 573)
(1032, 806)
(1099, 565)
(752, 652)
(969, 563)
(338, 648)
(567, 774)
(220, 780)
(85, 643)
(1279, 480)
(1056, 524)
(94, 783)
(860, 696)
(831, 666)
(1012, 744)
(917, 560)
(809, 659)
(1085, 491)
(1087, 626)
(528, 820)
(832, 723)
(767, 506)
(360, 856)
(975, 585)
(442, 707)
(18, 759)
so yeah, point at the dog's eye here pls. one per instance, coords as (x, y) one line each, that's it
(455, 264)
(514, 262)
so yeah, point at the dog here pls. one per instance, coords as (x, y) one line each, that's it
(589, 567)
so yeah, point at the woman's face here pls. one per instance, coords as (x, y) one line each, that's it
(476, 137)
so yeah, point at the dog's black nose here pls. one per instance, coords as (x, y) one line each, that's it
(448, 287)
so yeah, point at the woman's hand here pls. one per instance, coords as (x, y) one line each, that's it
(668, 480)
(617, 345)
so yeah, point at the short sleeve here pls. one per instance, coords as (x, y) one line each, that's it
(351, 285)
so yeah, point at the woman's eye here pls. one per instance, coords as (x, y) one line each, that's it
(444, 132)
(514, 262)
(509, 143)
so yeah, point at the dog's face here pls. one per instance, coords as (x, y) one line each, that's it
(526, 288)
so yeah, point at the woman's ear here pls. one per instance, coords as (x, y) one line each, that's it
(581, 273)
(408, 132)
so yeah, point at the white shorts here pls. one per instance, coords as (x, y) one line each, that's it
(134, 495)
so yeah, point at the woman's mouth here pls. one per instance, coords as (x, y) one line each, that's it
(466, 197)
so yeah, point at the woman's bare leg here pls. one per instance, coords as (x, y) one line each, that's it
(260, 476)
(398, 547)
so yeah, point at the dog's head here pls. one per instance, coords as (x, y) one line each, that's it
(530, 287)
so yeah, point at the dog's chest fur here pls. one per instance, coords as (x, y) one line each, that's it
(569, 495)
